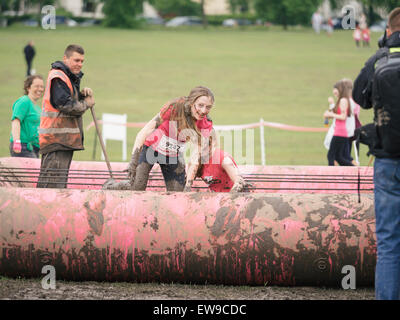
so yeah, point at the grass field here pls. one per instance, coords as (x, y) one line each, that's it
(280, 76)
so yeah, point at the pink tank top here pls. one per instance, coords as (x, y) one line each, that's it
(340, 127)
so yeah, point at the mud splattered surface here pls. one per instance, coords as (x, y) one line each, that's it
(22, 289)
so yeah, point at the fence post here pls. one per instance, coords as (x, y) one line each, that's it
(262, 141)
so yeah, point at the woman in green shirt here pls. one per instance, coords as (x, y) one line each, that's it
(25, 121)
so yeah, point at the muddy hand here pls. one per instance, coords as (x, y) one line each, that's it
(188, 186)
(89, 101)
(111, 184)
(241, 186)
(85, 92)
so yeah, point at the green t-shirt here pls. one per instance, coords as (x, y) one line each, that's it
(29, 115)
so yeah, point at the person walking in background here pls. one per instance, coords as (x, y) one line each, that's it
(342, 110)
(377, 87)
(61, 132)
(329, 29)
(366, 36)
(25, 120)
(29, 52)
(357, 35)
(316, 21)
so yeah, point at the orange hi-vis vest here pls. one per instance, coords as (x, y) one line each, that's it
(55, 126)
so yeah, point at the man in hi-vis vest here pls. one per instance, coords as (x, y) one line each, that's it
(60, 131)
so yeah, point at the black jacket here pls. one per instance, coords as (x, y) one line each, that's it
(362, 89)
(29, 52)
(62, 100)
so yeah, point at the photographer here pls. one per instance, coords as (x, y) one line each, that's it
(377, 86)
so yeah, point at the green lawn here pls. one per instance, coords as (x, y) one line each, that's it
(280, 76)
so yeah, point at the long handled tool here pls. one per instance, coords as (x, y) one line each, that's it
(101, 142)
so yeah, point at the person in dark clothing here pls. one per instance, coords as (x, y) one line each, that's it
(29, 52)
(61, 130)
(377, 86)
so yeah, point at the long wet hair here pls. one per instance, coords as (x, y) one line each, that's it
(182, 108)
(344, 87)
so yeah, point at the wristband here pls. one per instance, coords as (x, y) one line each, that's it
(17, 146)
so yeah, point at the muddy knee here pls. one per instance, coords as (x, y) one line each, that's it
(174, 185)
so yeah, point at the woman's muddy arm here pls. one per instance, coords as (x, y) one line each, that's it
(239, 184)
(190, 176)
(193, 164)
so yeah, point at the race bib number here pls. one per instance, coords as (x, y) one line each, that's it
(170, 147)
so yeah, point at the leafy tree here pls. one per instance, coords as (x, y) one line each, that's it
(370, 7)
(242, 6)
(122, 13)
(203, 13)
(287, 12)
(171, 8)
(4, 5)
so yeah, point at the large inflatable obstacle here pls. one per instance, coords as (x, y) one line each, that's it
(297, 226)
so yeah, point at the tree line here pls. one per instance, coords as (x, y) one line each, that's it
(122, 13)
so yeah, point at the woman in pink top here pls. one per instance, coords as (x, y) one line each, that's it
(357, 35)
(366, 35)
(340, 112)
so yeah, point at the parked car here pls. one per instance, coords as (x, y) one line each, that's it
(236, 22)
(154, 20)
(59, 20)
(184, 21)
(31, 23)
(337, 23)
(229, 23)
(379, 26)
(89, 22)
(71, 23)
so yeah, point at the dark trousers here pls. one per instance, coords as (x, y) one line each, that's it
(54, 169)
(172, 168)
(338, 149)
(25, 153)
(29, 66)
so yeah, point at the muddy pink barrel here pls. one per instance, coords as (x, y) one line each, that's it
(220, 238)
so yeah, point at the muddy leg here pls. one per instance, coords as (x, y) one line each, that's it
(174, 185)
(54, 169)
(174, 176)
(142, 176)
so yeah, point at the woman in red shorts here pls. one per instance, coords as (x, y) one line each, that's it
(216, 168)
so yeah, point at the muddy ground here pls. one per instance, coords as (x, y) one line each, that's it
(23, 289)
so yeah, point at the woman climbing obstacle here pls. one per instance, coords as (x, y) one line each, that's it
(163, 140)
